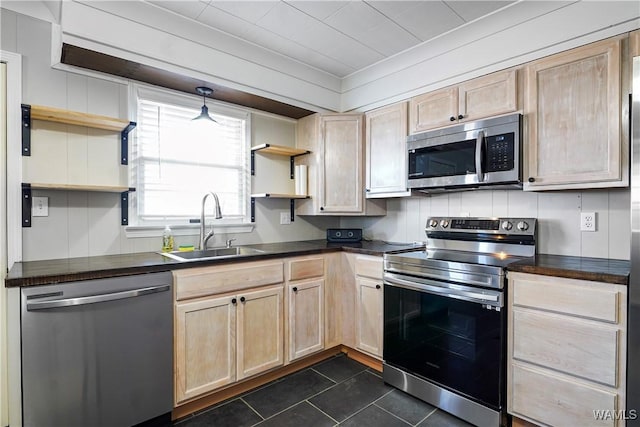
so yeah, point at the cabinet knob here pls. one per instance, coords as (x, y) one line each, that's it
(242, 299)
(460, 117)
(321, 208)
(367, 190)
(234, 301)
(295, 289)
(532, 179)
(377, 286)
(452, 119)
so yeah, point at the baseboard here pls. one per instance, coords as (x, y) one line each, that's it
(363, 358)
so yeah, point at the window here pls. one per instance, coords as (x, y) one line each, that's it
(176, 161)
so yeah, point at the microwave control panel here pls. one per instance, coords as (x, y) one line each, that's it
(500, 153)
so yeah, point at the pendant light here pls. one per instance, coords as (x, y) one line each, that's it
(204, 112)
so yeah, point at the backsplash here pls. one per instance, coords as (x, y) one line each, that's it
(558, 216)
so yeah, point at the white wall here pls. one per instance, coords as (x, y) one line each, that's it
(88, 223)
(558, 216)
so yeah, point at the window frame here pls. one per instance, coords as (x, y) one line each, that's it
(149, 228)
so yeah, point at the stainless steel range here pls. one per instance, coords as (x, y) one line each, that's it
(445, 317)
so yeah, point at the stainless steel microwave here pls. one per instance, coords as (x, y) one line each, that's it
(481, 154)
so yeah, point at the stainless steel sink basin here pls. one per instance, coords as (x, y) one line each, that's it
(213, 253)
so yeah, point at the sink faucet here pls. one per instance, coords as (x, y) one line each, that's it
(204, 239)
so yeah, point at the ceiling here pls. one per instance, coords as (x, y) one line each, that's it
(338, 37)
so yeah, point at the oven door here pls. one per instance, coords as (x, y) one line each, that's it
(448, 334)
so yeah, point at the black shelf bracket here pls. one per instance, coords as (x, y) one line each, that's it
(124, 206)
(293, 164)
(26, 205)
(292, 206)
(26, 129)
(124, 143)
(253, 162)
(253, 207)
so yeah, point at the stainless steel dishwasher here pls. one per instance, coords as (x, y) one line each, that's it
(97, 352)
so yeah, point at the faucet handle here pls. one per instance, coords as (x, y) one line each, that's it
(229, 242)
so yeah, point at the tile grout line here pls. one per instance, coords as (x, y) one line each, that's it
(320, 373)
(428, 415)
(322, 412)
(252, 408)
(392, 414)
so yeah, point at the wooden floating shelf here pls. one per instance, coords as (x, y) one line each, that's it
(75, 187)
(279, 150)
(278, 196)
(95, 121)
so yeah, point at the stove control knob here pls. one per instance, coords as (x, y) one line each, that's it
(523, 226)
(507, 225)
(444, 223)
(433, 223)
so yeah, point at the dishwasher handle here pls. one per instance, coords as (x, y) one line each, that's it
(92, 299)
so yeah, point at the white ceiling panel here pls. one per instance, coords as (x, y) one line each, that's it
(339, 37)
(190, 9)
(423, 19)
(228, 23)
(291, 23)
(250, 11)
(320, 10)
(470, 10)
(362, 22)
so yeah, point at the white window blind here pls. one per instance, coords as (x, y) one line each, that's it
(177, 161)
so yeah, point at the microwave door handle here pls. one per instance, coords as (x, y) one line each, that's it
(479, 152)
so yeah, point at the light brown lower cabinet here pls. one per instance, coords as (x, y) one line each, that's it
(566, 351)
(305, 318)
(369, 304)
(224, 339)
(229, 325)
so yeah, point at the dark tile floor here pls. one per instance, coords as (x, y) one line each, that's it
(337, 391)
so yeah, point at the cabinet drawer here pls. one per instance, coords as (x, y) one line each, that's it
(305, 268)
(198, 282)
(574, 297)
(556, 401)
(573, 346)
(369, 266)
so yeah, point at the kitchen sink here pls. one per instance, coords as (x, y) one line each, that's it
(213, 253)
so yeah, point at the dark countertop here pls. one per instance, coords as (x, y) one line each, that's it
(46, 272)
(613, 271)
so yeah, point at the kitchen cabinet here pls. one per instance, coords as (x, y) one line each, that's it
(474, 99)
(229, 325)
(305, 306)
(386, 152)
(369, 304)
(574, 115)
(335, 166)
(56, 145)
(634, 43)
(566, 349)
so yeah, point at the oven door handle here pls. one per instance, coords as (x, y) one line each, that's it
(492, 298)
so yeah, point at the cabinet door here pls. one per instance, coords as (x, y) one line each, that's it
(369, 316)
(260, 331)
(205, 346)
(386, 151)
(433, 109)
(342, 175)
(306, 317)
(572, 106)
(487, 96)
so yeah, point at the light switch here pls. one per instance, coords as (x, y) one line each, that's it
(39, 206)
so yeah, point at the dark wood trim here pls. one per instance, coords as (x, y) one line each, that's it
(92, 60)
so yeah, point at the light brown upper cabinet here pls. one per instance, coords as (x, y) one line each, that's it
(573, 110)
(335, 166)
(634, 43)
(485, 96)
(386, 151)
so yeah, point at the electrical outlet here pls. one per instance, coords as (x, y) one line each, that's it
(285, 218)
(40, 206)
(587, 221)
